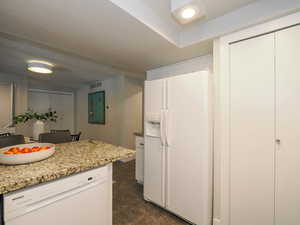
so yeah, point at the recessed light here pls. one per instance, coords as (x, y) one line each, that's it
(188, 13)
(40, 67)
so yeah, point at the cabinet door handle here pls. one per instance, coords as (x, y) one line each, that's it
(278, 141)
(142, 144)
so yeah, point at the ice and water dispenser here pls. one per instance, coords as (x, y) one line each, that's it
(153, 125)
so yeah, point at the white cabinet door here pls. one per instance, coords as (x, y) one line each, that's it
(42, 102)
(154, 177)
(288, 154)
(38, 101)
(188, 152)
(252, 131)
(63, 105)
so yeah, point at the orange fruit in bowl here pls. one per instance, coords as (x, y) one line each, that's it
(16, 150)
(8, 153)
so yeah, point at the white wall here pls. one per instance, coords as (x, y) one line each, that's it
(188, 66)
(124, 97)
(21, 87)
(123, 116)
(132, 106)
(110, 132)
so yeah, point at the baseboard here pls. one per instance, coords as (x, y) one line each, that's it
(216, 221)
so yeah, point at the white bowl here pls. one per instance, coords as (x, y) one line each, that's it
(26, 157)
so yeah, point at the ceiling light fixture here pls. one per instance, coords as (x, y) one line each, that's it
(188, 13)
(40, 67)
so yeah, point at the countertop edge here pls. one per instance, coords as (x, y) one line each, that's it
(55, 176)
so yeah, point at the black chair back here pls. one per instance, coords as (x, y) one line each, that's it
(6, 141)
(5, 134)
(55, 138)
(76, 137)
(59, 131)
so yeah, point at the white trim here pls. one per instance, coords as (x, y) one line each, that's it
(249, 15)
(51, 92)
(12, 103)
(224, 130)
(201, 63)
(74, 125)
(223, 79)
(263, 28)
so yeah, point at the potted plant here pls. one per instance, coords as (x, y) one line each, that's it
(40, 119)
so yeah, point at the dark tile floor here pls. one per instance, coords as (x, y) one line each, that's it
(129, 208)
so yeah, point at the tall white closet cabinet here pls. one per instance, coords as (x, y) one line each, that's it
(264, 134)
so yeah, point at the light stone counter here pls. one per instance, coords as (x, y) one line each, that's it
(69, 158)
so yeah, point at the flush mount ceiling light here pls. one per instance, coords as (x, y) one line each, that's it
(186, 11)
(40, 67)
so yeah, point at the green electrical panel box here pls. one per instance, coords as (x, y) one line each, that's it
(97, 107)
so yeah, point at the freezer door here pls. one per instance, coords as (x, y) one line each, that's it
(154, 177)
(154, 103)
(188, 156)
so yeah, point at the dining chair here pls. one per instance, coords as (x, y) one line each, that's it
(76, 137)
(6, 141)
(55, 138)
(5, 134)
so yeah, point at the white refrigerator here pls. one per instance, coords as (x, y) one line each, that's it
(178, 146)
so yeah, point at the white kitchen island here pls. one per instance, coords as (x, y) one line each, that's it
(73, 187)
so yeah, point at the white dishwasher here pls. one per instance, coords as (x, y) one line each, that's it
(81, 199)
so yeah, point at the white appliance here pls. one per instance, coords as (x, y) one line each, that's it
(139, 159)
(85, 198)
(178, 142)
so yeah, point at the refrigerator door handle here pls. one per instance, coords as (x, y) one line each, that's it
(166, 124)
(162, 136)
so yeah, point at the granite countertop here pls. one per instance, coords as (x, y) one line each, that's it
(69, 158)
